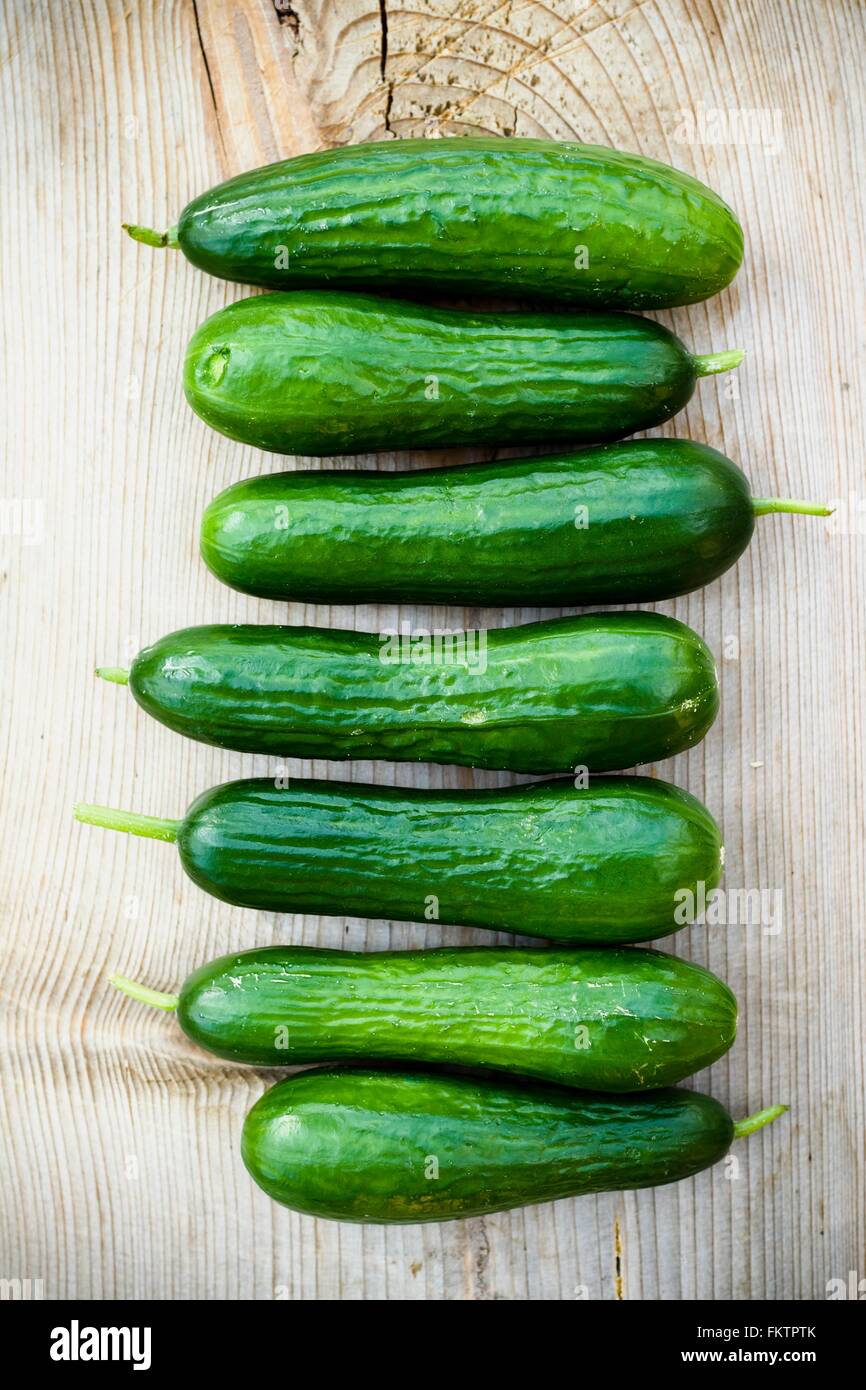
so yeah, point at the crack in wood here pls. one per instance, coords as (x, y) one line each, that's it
(208, 74)
(286, 14)
(383, 63)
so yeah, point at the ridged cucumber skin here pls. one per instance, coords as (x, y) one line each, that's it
(632, 522)
(477, 214)
(317, 373)
(605, 691)
(407, 1147)
(603, 1020)
(597, 863)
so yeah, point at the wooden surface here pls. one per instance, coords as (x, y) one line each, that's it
(122, 1176)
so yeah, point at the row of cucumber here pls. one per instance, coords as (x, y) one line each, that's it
(596, 860)
(358, 1144)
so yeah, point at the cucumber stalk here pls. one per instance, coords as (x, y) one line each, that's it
(128, 821)
(144, 995)
(116, 674)
(767, 506)
(752, 1123)
(711, 363)
(149, 237)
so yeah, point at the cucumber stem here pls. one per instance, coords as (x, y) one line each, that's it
(710, 363)
(144, 995)
(128, 821)
(116, 674)
(149, 237)
(766, 506)
(751, 1123)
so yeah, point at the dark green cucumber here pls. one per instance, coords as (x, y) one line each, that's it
(337, 373)
(605, 1020)
(605, 691)
(575, 223)
(607, 862)
(405, 1147)
(623, 523)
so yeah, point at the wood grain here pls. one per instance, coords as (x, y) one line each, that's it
(119, 1140)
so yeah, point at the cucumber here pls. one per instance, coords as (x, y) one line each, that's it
(607, 862)
(604, 691)
(574, 223)
(405, 1147)
(337, 373)
(605, 1020)
(632, 522)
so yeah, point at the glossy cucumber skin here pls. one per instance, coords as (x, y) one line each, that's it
(632, 522)
(478, 214)
(601, 863)
(336, 373)
(605, 691)
(604, 1020)
(406, 1147)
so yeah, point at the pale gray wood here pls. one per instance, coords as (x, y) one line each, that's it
(120, 1141)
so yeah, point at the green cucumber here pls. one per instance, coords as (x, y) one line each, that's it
(605, 691)
(606, 862)
(337, 373)
(574, 223)
(623, 523)
(406, 1147)
(604, 1020)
